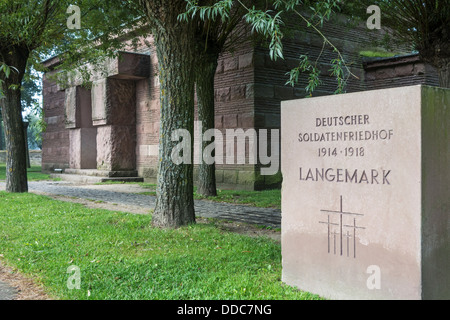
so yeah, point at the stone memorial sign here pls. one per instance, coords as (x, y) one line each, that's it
(365, 194)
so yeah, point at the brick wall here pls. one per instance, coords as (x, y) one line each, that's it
(399, 71)
(55, 140)
(147, 121)
(234, 98)
(56, 143)
(271, 76)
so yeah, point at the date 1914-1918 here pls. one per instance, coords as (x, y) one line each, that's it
(346, 152)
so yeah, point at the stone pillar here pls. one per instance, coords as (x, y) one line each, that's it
(114, 115)
(82, 134)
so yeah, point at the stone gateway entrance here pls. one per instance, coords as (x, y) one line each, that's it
(101, 121)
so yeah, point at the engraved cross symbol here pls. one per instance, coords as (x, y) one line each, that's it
(338, 235)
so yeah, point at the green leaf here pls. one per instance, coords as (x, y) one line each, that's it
(7, 70)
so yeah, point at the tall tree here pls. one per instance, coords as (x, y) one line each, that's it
(174, 40)
(206, 66)
(175, 49)
(212, 37)
(32, 29)
(215, 22)
(423, 24)
(20, 35)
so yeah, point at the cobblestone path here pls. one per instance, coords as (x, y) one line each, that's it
(203, 208)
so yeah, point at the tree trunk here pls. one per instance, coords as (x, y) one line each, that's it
(205, 72)
(174, 40)
(16, 165)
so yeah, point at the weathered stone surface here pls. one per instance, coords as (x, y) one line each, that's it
(113, 102)
(250, 91)
(116, 148)
(230, 176)
(148, 173)
(122, 102)
(246, 120)
(149, 150)
(219, 176)
(263, 91)
(131, 66)
(77, 108)
(72, 114)
(230, 121)
(404, 70)
(272, 120)
(246, 177)
(246, 60)
(284, 92)
(99, 102)
(83, 149)
(126, 66)
(223, 94)
(238, 92)
(82, 134)
(230, 64)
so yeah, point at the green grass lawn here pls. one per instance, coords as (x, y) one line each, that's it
(263, 199)
(121, 256)
(377, 54)
(34, 173)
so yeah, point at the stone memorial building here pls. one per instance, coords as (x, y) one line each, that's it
(112, 129)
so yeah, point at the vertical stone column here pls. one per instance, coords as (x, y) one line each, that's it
(82, 134)
(114, 115)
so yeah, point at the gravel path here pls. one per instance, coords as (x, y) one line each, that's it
(6, 291)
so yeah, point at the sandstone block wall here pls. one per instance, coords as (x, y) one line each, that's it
(55, 140)
(399, 71)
